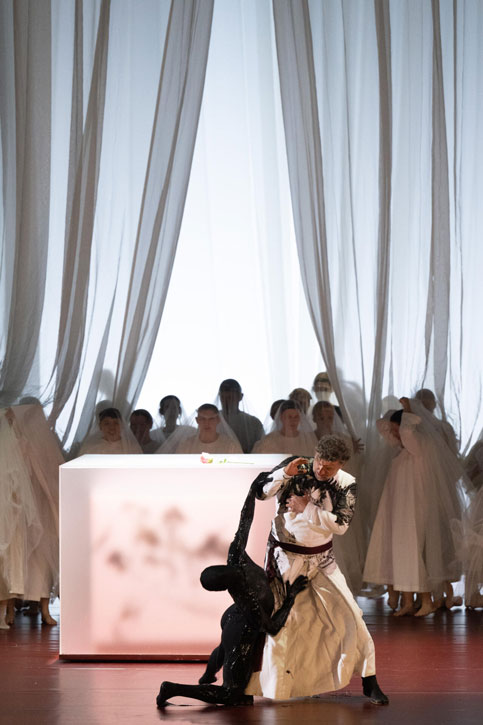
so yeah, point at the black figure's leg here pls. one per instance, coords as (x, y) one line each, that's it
(371, 689)
(238, 641)
(213, 694)
(215, 663)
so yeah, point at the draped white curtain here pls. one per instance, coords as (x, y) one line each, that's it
(381, 105)
(99, 111)
(99, 105)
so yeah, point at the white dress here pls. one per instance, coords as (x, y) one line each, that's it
(99, 446)
(325, 640)
(41, 453)
(223, 444)
(302, 444)
(468, 538)
(247, 428)
(411, 546)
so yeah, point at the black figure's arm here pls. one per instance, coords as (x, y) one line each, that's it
(266, 477)
(238, 545)
(272, 625)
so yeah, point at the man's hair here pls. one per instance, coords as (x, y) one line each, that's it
(109, 413)
(333, 448)
(396, 416)
(145, 413)
(230, 384)
(208, 406)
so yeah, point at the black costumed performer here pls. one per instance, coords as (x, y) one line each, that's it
(325, 640)
(242, 624)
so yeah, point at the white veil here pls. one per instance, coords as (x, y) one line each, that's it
(302, 444)
(235, 409)
(99, 442)
(186, 439)
(441, 476)
(172, 419)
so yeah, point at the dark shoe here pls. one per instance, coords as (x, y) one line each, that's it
(371, 689)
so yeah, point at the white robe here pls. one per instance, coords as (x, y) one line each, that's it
(223, 444)
(302, 444)
(325, 640)
(411, 545)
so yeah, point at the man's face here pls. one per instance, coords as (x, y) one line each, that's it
(302, 399)
(290, 420)
(230, 399)
(170, 410)
(207, 421)
(323, 415)
(140, 427)
(325, 469)
(111, 429)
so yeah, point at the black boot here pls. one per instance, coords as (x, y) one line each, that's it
(371, 689)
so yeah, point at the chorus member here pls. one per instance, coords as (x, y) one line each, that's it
(141, 422)
(292, 433)
(247, 428)
(411, 549)
(112, 437)
(212, 436)
(301, 398)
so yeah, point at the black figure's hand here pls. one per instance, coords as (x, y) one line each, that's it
(298, 586)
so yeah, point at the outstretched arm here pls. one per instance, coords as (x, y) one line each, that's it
(238, 545)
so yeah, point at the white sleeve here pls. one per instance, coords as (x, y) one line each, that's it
(325, 519)
(279, 478)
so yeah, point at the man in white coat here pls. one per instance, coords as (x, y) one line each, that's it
(325, 640)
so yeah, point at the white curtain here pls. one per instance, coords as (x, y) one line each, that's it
(99, 114)
(381, 111)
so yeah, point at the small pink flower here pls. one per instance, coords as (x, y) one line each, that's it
(206, 458)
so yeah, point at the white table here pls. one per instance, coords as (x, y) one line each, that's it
(135, 533)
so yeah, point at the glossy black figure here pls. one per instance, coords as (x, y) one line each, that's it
(242, 624)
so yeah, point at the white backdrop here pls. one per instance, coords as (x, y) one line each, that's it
(394, 99)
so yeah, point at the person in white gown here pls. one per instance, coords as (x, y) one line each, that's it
(302, 398)
(34, 457)
(141, 422)
(213, 434)
(113, 436)
(468, 534)
(292, 433)
(247, 428)
(411, 548)
(325, 640)
(428, 399)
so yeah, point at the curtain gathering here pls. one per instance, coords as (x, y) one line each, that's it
(381, 104)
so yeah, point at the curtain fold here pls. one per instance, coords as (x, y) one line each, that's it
(83, 180)
(172, 144)
(375, 98)
(26, 130)
(305, 160)
(115, 163)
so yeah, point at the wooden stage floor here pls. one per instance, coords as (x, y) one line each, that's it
(432, 670)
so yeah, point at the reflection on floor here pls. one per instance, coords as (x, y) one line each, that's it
(432, 669)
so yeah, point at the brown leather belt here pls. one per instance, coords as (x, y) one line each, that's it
(296, 549)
